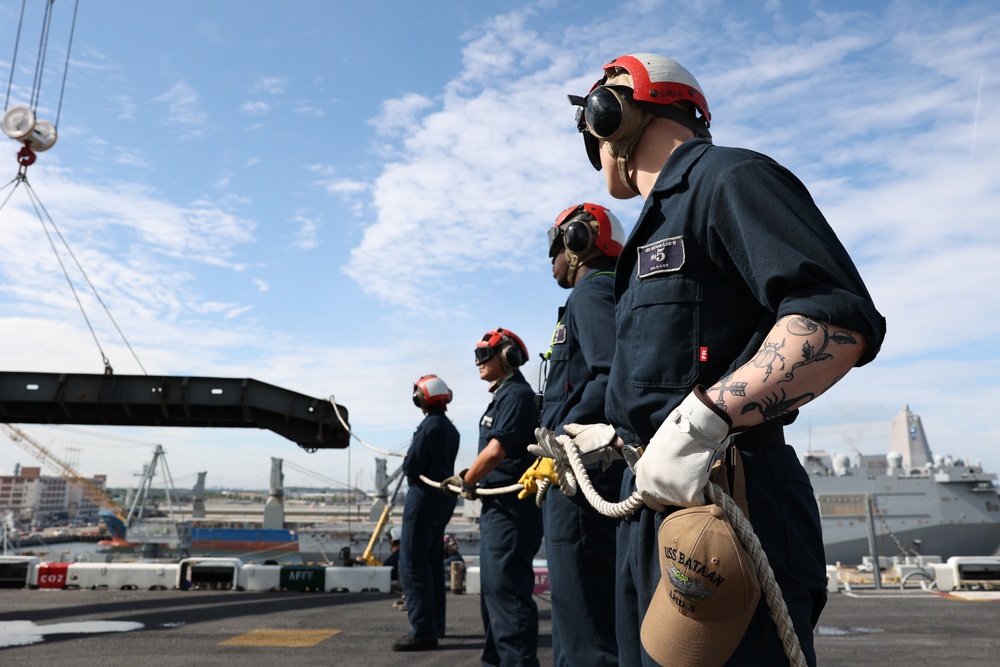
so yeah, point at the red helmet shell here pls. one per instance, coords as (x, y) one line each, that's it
(497, 338)
(610, 233)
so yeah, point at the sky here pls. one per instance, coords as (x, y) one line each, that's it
(338, 198)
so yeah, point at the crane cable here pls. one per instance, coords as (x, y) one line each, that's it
(36, 203)
(347, 428)
(43, 44)
(26, 157)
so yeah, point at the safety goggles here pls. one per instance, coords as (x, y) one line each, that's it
(556, 242)
(484, 354)
(599, 117)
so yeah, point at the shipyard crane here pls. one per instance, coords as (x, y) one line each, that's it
(88, 489)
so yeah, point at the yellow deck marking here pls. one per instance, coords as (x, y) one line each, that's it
(287, 638)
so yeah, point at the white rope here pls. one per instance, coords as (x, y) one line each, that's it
(615, 510)
(777, 608)
(765, 575)
(343, 423)
(479, 492)
(566, 477)
(543, 488)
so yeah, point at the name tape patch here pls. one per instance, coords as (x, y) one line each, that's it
(664, 256)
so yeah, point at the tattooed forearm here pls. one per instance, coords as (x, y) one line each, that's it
(811, 353)
(773, 405)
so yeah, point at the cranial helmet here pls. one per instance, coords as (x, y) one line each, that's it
(586, 231)
(635, 89)
(430, 391)
(511, 349)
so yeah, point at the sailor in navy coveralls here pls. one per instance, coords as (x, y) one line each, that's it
(511, 528)
(736, 305)
(579, 541)
(426, 513)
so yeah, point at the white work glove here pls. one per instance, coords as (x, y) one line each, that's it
(594, 440)
(673, 469)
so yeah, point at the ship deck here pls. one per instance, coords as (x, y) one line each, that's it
(246, 629)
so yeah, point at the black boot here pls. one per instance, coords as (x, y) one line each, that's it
(411, 643)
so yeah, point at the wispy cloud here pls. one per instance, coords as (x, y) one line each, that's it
(184, 110)
(255, 108)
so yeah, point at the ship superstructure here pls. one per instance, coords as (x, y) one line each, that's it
(916, 502)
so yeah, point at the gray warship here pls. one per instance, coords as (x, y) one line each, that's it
(907, 502)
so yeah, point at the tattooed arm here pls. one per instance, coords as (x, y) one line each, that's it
(800, 359)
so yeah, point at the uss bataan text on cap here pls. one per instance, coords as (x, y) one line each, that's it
(707, 594)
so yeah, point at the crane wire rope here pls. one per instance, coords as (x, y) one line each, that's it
(13, 61)
(69, 48)
(43, 46)
(347, 428)
(28, 159)
(39, 209)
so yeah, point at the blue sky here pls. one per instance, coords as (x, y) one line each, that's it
(338, 198)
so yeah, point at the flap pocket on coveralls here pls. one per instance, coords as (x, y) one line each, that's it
(665, 310)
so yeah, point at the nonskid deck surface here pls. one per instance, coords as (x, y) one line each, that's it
(247, 629)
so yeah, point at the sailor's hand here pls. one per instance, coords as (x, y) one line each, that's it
(549, 445)
(542, 468)
(453, 485)
(596, 442)
(673, 469)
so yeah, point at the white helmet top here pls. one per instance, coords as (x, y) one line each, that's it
(656, 79)
(429, 391)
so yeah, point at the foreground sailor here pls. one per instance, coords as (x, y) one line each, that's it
(511, 529)
(426, 513)
(579, 541)
(736, 306)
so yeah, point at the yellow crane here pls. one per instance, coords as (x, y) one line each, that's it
(88, 489)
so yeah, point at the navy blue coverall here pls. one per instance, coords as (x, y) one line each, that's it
(727, 243)
(580, 541)
(511, 531)
(425, 515)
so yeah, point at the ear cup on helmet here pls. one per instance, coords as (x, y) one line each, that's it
(578, 236)
(512, 355)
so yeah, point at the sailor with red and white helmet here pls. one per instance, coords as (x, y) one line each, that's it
(584, 243)
(510, 529)
(426, 513)
(736, 306)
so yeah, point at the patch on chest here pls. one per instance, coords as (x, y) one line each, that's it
(487, 421)
(664, 256)
(559, 336)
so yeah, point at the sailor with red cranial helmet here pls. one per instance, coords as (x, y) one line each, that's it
(426, 513)
(584, 244)
(737, 305)
(510, 529)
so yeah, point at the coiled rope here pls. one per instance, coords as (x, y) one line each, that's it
(777, 608)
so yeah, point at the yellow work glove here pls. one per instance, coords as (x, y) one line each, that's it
(542, 468)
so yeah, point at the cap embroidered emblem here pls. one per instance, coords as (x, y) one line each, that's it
(692, 589)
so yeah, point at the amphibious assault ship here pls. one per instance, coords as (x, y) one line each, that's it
(907, 501)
